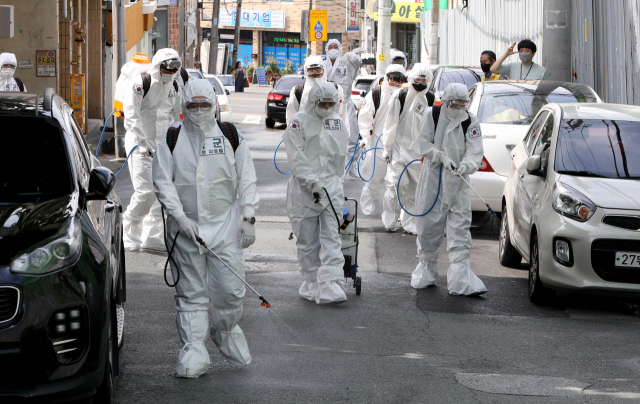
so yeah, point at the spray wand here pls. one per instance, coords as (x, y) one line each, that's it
(485, 202)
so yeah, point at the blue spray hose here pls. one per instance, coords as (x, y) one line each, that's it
(103, 128)
(125, 161)
(374, 160)
(398, 188)
(274, 159)
(355, 151)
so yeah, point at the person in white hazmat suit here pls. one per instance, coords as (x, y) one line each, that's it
(316, 141)
(399, 58)
(455, 148)
(140, 122)
(371, 123)
(400, 142)
(314, 71)
(343, 70)
(203, 184)
(8, 64)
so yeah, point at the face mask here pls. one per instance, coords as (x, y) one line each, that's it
(486, 67)
(525, 57)
(419, 86)
(166, 78)
(7, 72)
(453, 114)
(334, 53)
(324, 112)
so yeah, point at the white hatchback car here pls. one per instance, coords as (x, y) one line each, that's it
(571, 204)
(505, 110)
(222, 97)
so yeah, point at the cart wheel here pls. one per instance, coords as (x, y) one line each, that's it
(358, 285)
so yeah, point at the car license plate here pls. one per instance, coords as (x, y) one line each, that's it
(628, 259)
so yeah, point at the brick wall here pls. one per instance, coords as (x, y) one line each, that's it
(174, 33)
(64, 61)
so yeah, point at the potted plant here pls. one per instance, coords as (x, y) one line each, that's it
(250, 70)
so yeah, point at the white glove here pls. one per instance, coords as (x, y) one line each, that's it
(447, 163)
(463, 169)
(387, 156)
(144, 148)
(247, 234)
(187, 228)
(363, 144)
(317, 189)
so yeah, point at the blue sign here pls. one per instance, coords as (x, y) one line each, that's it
(281, 57)
(262, 77)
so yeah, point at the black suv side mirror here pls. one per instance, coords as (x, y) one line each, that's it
(101, 183)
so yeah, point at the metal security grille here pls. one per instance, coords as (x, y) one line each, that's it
(9, 301)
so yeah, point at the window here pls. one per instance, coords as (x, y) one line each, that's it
(81, 152)
(286, 84)
(544, 140)
(534, 131)
(466, 77)
(598, 148)
(33, 168)
(216, 86)
(363, 84)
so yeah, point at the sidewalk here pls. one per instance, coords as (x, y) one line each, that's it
(253, 89)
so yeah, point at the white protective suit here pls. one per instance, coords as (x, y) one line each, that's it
(168, 113)
(343, 72)
(398, 54)
(140, 116)
(453, 206)
(316, 149)
(7, 82)
(400, 141)
(208, 189)
(293, 106)
(371, 124)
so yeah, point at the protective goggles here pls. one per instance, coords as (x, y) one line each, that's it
(8, 66)
(459, 105)
(326, 103)
(315, 71)
(199, 102)
(171, 65)
(396, 77)
(397, 61)
(421, 80)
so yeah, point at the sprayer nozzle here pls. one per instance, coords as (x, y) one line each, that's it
(291, 236)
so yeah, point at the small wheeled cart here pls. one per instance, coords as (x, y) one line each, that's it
(349, 237)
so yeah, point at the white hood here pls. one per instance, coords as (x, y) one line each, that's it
(609, 193)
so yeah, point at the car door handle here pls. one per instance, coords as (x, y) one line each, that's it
(510, 147)
(109, 206)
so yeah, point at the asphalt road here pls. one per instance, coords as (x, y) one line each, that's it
(392, 344)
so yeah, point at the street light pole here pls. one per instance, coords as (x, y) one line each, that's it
(433, 37)
(121, 51)
(236, 37)
(213, 40)
(384, 36)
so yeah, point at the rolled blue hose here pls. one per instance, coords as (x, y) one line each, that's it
(398, 189)
(103, 128)
(374, 160)
(274, 159)
(125, 161)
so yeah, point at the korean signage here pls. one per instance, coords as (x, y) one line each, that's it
(404, 11)
(352, 15)
(262, 76)
(318, 25)
(252, 18)
(287, 40)
(77, 98)
(46, 63)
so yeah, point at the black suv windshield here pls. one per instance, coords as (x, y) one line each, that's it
(599, 148)
(287, 83)
(33, 162)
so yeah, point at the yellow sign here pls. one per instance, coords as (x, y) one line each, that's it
(405, 11)
(318, 25)
(381, 57)
(77, 98)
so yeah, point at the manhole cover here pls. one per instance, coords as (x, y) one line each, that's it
(522, 385)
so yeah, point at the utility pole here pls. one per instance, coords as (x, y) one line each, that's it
(307, 29)
(121, 51)
(433, 36)
(213, 40)
(181, 31)
(384, 36)
(236, 37)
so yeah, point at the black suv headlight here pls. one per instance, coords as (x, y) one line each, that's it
(61, 251)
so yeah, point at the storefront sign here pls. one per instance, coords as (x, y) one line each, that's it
(287, 40)
(25, 64)
(318, 25)
(262, 77)
(46, 63)
(404, 11)
(252, 18)
(352, 16)
(77, 98)
(226, 36)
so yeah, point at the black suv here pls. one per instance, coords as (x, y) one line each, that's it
(62, 268)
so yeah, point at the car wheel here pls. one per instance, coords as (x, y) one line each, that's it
(537, 292)
(509, 256)
(270, 123)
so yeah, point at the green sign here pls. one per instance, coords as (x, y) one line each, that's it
(287, 40)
